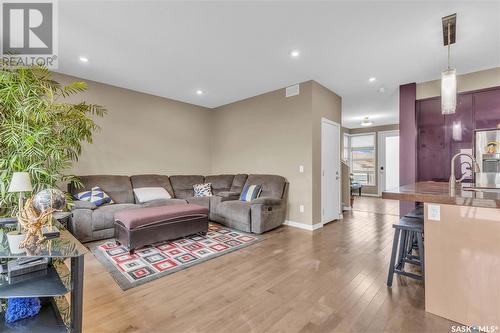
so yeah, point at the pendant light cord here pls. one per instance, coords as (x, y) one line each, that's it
(449, 43)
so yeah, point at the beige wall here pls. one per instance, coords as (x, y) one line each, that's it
(144, 134)
(285, 133)
(373, 190)
(268, 133)
(466, 82)
(325, 104)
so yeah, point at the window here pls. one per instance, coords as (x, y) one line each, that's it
(345, 155)
(362, 157)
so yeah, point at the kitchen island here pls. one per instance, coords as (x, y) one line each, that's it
(462, 250)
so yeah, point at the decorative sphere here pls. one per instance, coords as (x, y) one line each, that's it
(49, 198)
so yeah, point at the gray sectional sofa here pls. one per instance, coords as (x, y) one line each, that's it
(267, 212)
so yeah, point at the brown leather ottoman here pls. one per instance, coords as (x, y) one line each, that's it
(136, 228)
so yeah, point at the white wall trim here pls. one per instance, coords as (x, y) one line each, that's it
(303, 226)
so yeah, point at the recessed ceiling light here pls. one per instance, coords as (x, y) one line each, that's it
(366, 122)
(295, 53)
(372, 79)
(381, 90)
(84, 59)
(199, 92)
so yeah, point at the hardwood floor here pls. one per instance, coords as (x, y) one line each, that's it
(376, 205)
(332, 280)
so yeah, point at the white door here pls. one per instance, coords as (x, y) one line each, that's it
(330, 164)
(388, 160)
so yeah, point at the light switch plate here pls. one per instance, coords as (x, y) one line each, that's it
(301, 208)
(434, 212)
(301, 168)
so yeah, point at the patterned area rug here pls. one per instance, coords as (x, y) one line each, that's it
(152, 262)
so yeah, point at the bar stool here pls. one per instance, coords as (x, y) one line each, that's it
(417, 213)
(409, 234)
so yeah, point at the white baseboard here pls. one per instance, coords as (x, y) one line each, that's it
(303, 226)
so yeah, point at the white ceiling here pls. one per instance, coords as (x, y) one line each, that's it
(234, 50)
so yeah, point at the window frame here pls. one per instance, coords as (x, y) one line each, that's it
(347, 158)
(374, 147)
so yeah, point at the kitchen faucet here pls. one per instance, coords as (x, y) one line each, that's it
(453, 180)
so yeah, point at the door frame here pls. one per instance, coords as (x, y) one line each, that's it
(379, 157)
(339, 216)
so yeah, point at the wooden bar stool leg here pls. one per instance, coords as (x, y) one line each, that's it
(402, 250)
(393, 257)
(421, 253)
(409, 243)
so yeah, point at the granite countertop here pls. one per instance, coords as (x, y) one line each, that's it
(439, 192)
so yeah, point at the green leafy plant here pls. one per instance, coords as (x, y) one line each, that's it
(40, 131)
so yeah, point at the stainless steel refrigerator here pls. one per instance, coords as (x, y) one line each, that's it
(487, 150)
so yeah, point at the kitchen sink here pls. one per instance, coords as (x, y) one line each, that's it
(490, 189)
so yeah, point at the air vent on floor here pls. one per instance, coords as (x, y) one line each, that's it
(292, 90)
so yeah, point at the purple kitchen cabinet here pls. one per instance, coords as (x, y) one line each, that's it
(432, 155)
(459, 136)
(487, 109)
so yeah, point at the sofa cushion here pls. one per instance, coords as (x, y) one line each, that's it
(238, 211)
(151, 180)
(272, 186)
(118, 188)
(164, 202)
(145, 194)
(104, 216)
(78, 204)
(220, 183)
(238, 183)
(202, 201)
(183, 185)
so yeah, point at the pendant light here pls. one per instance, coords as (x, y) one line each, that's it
(449, 76)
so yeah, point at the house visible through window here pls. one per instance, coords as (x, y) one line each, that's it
(362, 158)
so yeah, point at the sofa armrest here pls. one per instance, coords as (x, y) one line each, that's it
(266, 201)
(227, 195)
(80, 204)
(267, 214)
(81, 224)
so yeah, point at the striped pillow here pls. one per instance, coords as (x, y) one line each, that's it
(250, 192)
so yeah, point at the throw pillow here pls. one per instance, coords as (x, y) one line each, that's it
(203, 190)
(250, 192)
(96, 196)
(145, 194)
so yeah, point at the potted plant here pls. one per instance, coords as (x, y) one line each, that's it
(41, 132)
